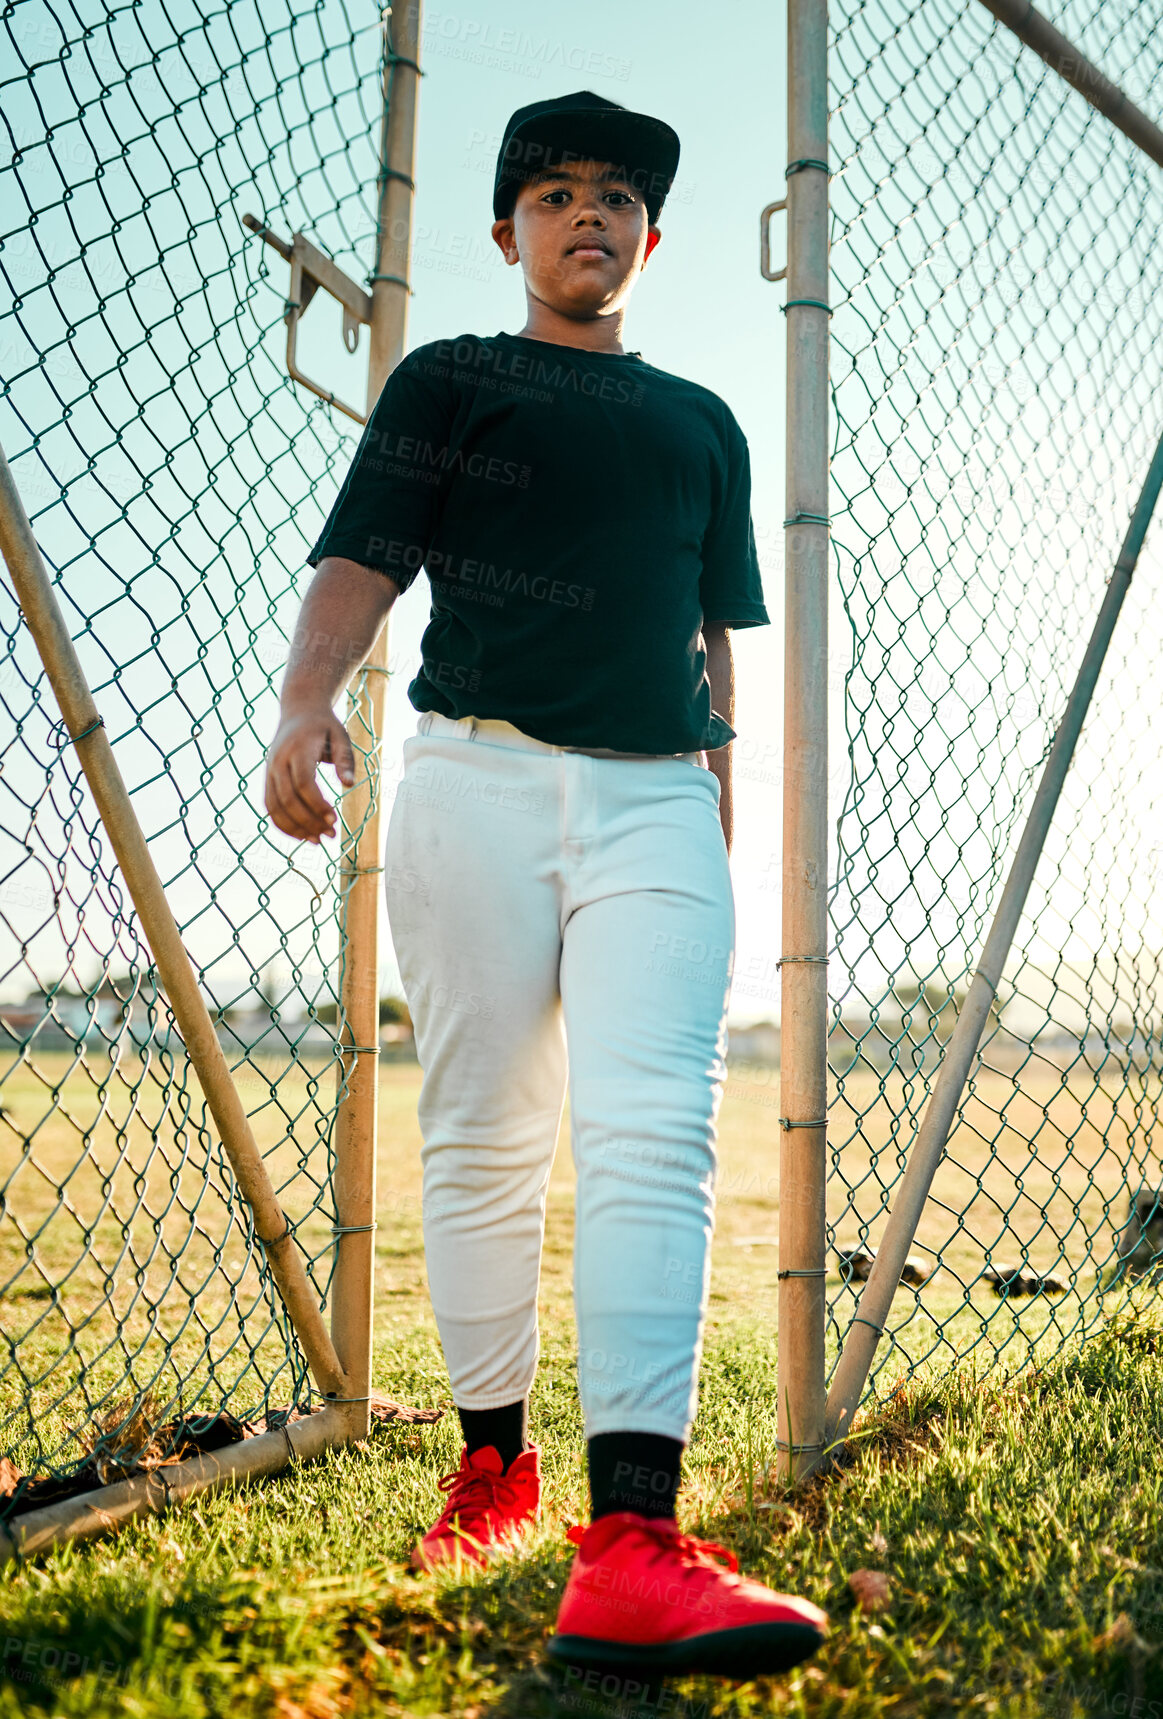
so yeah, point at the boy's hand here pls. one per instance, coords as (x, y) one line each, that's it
(306, 739)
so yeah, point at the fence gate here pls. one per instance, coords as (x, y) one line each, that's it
(168, 465)
(975, 236)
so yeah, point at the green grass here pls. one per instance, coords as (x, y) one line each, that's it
(1020, 1524)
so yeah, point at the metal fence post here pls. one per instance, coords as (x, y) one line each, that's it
(804, 1013)
(361, 871)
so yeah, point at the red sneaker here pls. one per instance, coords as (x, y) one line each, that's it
(642, 1597)
(488, 1506)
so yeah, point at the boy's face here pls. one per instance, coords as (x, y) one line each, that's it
(582, 237)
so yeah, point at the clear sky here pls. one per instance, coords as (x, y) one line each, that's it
(701, 309)
(167, 315)
(993, 421)
(995, 248)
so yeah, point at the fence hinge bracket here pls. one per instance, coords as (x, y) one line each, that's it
(310, 270)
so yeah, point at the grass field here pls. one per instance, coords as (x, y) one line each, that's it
(1020, 1528)
(1019, 1522)
(1034, 1174)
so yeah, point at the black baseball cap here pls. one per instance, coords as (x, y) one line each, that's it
(585, 127)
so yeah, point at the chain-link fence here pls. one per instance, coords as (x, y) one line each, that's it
(997, 394)
(168, 465)
(996, 399)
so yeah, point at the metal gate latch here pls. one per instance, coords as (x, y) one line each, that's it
(310, 270)
(765, 268)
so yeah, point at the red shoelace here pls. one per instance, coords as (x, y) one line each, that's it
(705, 1554)
(474, 1492)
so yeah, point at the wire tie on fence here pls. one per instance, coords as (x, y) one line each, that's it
(399, 280)
(375, 668)
(403, 60)
(352, 1229)
(357, 1050)
(978, 974)
(858, 1319)
(816, 1271)
(781, 1444)
(330, 1399)
(798, 167)
(809, 519)
(275, 1240)
(815, 1122)
(395, 173)
(802, 961)
(818, 302)
(75, 738)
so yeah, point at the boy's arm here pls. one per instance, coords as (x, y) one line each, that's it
(721, 674)
(345, 607)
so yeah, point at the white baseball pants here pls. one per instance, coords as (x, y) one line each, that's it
(557, 913)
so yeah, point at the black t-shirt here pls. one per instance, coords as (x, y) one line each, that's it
(579, 516)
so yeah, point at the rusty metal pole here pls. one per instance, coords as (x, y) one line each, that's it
(804, 1013)
(42, 616)
(361, 870)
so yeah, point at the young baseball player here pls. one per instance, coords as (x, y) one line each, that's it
(556, 865)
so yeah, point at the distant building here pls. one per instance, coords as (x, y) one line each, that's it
(756, 1042)
(57, 1019)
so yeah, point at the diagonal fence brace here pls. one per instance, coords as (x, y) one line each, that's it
(864, 1333)
(45, 622)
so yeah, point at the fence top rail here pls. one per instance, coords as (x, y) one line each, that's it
(1060, 54)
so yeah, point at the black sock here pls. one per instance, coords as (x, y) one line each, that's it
(635, 1471)
(505, 1429)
